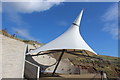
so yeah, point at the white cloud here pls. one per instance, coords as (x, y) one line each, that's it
(111, 28)
(111, 13)
(14, 9)
(23, 33)
(29, 7)
(110, 19)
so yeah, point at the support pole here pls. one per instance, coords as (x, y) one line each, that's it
(74, 50)
(58, 62)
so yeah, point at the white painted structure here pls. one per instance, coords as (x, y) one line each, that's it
(71, 39)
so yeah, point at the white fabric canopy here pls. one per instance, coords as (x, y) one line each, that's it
(71, 39)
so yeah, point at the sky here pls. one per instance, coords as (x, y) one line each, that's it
(45, 21)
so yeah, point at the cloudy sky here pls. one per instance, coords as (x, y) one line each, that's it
(44, 21)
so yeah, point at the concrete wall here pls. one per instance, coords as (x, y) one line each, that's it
(0, 56)
(13, 58)
(65, 67)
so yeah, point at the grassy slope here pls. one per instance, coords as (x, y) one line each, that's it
(95, 63)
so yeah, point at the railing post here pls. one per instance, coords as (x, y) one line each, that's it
(101, 72)
(40, 72)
